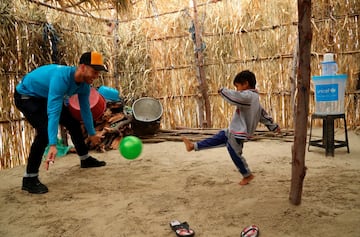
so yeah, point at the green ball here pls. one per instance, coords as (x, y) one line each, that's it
(130, 147)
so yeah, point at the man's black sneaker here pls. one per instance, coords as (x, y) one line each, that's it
(92, 162)
(33, 185)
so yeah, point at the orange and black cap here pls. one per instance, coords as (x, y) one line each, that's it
(93, 59)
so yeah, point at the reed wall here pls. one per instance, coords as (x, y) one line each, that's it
(150, 52)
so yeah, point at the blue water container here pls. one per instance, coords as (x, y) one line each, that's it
(109, 93)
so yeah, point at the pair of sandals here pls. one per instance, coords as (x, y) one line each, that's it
(181, 229)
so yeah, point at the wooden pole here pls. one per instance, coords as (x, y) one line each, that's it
(115, 26)
(298, 171)
(203, 87)
(116, 59)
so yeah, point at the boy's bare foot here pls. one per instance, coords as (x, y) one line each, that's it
(188, 144)
(246, 180)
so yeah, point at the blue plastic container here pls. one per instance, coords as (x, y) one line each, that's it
(109, 93)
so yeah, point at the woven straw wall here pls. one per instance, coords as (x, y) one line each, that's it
(150, 52)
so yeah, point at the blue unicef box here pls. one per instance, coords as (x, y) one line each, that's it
(329, 93)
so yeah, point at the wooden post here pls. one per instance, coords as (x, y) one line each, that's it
(116, 50)
(203, 87)
(298, 171)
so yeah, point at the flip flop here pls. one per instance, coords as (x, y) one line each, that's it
(181, 229)
(250, 231)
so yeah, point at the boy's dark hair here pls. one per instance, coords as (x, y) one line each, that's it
(246, 76)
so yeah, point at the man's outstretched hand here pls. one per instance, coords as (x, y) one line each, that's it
(50, 159)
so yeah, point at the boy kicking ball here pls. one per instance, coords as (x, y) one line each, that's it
(248, 114)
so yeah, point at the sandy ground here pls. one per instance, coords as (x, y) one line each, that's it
(140, 197)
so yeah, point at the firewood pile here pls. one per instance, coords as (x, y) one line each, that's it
(113, 125)
(118, 122)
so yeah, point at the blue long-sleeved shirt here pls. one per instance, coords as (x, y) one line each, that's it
(56, 83)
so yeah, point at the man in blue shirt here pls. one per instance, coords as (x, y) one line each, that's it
(40, 97)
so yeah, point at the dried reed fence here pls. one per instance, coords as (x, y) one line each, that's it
(150, 52)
